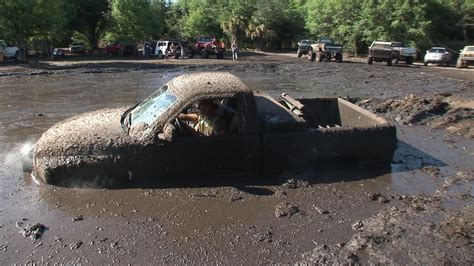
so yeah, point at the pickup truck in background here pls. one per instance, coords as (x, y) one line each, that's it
(325, 49)
(466, 57)
(390, 52)
(8, 51)
(146, 143)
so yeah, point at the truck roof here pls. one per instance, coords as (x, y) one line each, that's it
(191, 86)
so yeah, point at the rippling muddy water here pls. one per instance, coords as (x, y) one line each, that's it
(281, 220)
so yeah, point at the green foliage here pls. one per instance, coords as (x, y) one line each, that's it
(21, 20)
(256, 23)
(136, 20)
(88, 18)
(356, 23)
(201, 18)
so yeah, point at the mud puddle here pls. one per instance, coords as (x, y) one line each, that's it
(280, 221)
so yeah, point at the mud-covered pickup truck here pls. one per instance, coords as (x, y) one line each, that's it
(146, 143)
(391, 53)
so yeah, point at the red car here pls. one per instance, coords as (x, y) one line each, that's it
(120, 48)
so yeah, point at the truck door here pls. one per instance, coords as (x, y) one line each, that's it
(211, 156)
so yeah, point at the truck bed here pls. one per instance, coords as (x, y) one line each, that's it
(316, 113)
(305, 131)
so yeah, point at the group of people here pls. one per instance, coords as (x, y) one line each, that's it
(173, 49)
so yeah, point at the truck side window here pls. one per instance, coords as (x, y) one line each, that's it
(210, 117)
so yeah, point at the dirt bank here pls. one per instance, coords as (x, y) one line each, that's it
(418, 210)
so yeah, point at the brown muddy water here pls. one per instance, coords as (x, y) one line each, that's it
(213, 221)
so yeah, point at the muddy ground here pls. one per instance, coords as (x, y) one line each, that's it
(418, 210)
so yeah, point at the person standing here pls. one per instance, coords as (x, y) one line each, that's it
(182, 52)
(235, 50)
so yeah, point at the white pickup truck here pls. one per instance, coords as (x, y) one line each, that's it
(407, 54)
(9, 51)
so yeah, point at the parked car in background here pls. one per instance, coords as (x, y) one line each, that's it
(437, 55)
(325, 49)
(304, 46)
(168, 48)
(121, 47)
(466, 57)
(390, 52)
(77, 47)
(214, 47)
(57, 53)
(201, 41)
(9, 51)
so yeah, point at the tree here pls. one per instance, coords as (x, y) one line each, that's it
(235, 18)
(265, 23)
(202, 18)
(358, 23)
(89, 19)
(22, 21)
(137, 20)
(340, 20)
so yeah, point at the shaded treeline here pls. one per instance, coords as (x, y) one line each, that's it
(261, 24)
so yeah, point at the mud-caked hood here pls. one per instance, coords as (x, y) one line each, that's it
(85, 134)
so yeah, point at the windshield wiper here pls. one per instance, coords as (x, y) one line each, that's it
(126, 127)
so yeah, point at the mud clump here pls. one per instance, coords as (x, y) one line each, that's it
(32, 231)
(421, 231)
(286, 209)
(378, 197)
(432, 170)
(78, 218)
(435, 111)
(413, 110)
(458, 121)
(75, 245)
(293, 184)
(329, 255)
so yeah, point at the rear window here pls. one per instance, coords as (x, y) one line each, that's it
(438, 50)
(205, 39)
(381, 45)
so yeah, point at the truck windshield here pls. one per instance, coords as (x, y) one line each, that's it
(152, 107)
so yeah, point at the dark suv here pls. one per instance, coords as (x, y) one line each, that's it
(304, 46)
